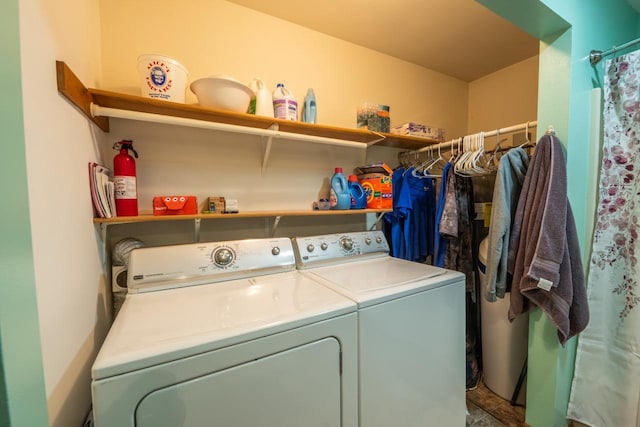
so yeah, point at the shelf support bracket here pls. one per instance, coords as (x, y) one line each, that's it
(381, 138)
(196, 230)
(72, 88)
(276, 222)
(268, 140)
(378, 218)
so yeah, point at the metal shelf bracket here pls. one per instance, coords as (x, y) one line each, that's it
(276, 222)
(378, 218)
(267, 140)
(196, 230)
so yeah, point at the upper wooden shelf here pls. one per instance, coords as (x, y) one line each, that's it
(71, 87)
(248, 214)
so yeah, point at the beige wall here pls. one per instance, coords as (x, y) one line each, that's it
(216, 37)
(504, 98)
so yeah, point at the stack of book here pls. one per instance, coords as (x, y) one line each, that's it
(102, 191)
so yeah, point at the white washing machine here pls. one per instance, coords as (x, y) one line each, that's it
(411, 328)
(227, 334)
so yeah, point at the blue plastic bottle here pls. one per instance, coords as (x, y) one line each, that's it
(309, 108)
(358, 196)
(340, 197)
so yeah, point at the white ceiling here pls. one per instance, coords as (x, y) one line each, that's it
(460, 38)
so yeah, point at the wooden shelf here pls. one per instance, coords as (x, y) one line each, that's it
(248, 214)
(71, 87)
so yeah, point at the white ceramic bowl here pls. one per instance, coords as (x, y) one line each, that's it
(222, 92)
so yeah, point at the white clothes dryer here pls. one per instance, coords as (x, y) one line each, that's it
(227, 334)
(411, 328)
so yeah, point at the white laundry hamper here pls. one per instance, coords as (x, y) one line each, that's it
(504, 344)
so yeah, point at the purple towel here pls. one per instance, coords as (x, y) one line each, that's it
(544, 254)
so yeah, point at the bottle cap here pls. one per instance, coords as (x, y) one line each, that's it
(337, 170)
(353, 178)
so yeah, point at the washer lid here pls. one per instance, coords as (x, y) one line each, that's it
(157, 327)
(372, 281)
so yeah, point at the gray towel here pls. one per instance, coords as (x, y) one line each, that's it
(544, 254)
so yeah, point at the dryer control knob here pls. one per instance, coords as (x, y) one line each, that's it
(346, 243)
(310, 247)
(367, 241)
(275, 250)
(324, 246)
(223, 256)
(378, 239)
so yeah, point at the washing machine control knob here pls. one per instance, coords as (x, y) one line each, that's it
(378, 240)
(310, 247)
(223, 257)
(367, 241)
(275, 250)
(324, 246)
(346, 243)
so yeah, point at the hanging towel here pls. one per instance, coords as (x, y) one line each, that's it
(544, 254)
(509, 179)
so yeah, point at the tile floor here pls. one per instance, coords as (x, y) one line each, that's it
(486, 409)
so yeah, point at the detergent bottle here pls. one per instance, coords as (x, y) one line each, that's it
(262, 103)
(251, 109)
(309, 109)
(358, 196)
(285, 105)
(340, 197)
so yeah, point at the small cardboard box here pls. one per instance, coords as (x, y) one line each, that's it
(216, 204)
(175, 205)
(376, 182)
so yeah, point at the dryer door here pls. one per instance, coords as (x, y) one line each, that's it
(296, 387)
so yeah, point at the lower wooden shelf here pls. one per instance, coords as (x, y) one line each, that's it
(147, 217)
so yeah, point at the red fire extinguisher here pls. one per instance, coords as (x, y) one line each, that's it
(124, 171)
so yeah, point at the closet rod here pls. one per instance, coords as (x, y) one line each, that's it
(510, 129)
(596, 55)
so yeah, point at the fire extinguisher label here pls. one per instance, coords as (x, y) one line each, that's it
(125, 187)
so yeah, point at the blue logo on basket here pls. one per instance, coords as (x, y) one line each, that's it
(158, 78)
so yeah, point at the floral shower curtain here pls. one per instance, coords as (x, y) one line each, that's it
(606, 384)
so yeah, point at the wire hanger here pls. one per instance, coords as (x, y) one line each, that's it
(427, 172)
(490, 163)
(454, 155)
(526, 136)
